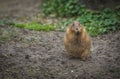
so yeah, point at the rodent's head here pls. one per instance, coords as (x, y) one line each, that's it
(76, 27)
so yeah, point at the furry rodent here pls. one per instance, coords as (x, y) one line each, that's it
(77, 41)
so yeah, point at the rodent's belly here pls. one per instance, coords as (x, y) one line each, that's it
(75, 50)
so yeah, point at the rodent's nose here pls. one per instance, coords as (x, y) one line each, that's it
(76, 28)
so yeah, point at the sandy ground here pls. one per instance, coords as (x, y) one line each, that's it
(27, 54)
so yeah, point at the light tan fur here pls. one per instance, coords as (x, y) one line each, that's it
(77, 45)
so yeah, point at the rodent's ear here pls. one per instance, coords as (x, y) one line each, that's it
(72, 26)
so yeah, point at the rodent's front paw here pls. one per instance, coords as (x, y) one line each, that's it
(84, 57)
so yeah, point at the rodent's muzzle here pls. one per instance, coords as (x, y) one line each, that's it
(77, 33)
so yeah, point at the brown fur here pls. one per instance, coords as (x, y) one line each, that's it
(77, 41)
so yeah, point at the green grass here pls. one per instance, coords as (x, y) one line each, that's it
(32, 25)
(36, 26)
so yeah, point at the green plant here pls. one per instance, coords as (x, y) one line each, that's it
(63, 7)
(96, 23)
(36, 26)
(32, 25)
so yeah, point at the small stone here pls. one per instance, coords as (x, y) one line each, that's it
(72, 71)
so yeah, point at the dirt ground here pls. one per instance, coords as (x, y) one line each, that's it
(28, 54)
(19, 10)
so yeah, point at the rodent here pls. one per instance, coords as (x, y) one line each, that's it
(77, 41)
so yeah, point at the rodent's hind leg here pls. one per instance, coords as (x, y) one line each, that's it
(85, 54)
